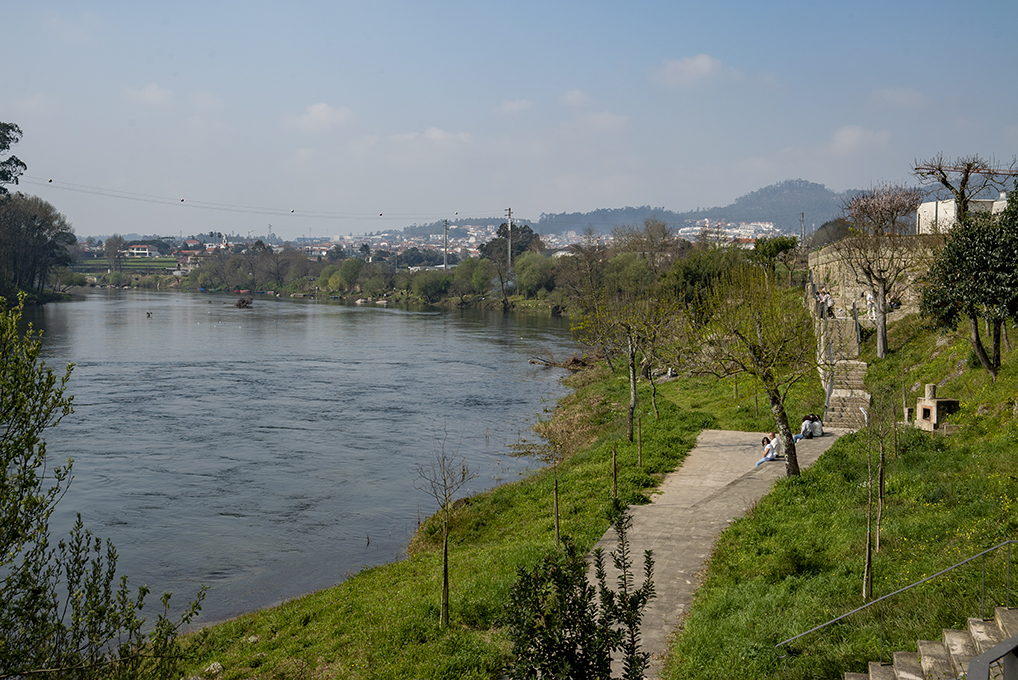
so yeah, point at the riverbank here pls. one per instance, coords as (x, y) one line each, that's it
(383, 622)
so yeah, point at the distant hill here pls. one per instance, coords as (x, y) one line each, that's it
(780, 203)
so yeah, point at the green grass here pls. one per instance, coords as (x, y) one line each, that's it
(796, 560)
(739, 404)
(383, 622)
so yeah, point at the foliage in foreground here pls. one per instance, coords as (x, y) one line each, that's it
(559, 630)
(62, 611)
(797, 559)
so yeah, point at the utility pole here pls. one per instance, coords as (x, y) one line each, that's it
(509, 249)
(802, 227)
(445, 258)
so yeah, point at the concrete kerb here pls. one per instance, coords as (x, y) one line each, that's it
(714, 486)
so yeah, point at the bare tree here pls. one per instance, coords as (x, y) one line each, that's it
(442, 478)
(655, 242)
(883, 248)
(966, 178)
(114, 251)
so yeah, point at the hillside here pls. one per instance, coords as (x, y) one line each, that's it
(780, 203)
(801, 551)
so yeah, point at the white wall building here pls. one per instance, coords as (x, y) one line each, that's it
(939, 216)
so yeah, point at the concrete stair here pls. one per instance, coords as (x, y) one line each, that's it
(949, 658)
(848, 396)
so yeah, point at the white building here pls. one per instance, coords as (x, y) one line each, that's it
(934, 217)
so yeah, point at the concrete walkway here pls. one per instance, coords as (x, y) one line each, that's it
(715, 485)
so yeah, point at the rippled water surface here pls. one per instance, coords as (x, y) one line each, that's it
(269, 452)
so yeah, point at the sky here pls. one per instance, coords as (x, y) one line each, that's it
(330, 118)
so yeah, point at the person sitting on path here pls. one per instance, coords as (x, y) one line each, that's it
(769, 452)
(806, 431)
(818, 426)
(776, 444)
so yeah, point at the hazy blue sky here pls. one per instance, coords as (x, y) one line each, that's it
(340, 111)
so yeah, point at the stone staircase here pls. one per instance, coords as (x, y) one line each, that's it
(848, 396)
(949, 658)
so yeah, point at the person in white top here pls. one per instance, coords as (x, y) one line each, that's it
(871, 306)
(818, 427)
(770, 453)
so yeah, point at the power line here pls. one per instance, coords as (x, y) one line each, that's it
(225, 207)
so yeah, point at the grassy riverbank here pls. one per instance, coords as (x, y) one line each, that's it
(383, 621)
(797, 560)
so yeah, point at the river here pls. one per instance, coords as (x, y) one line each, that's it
(270, 452)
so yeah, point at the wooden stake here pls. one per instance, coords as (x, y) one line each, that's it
(615, 473)
(556, 507)
(639, 442)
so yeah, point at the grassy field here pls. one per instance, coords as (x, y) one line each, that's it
(129, 265)
(797, 559)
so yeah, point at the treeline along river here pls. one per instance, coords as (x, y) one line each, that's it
(269, 452)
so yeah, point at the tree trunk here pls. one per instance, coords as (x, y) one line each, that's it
(444, 622)
(784, 432)
(995, 334)
(880, 492)
(881, 319)
(631, 351)
(977, 345)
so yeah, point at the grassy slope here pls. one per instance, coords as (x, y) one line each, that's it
(382, 622)
(797, 559)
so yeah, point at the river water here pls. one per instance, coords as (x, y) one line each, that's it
(269, 452)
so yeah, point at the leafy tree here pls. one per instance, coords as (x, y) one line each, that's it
(34, 239)
(655, 243)
(62, 614)
(883, 247)
(693, 277)
(472, 276)
(349, 271)
(747, 324)
(563, 626)
(431, 286)
(976, 275)
(10, 167)
(534, 272)
(581, 273)
(114, 251)
(523, 239)
(770, 250)
(63, 278)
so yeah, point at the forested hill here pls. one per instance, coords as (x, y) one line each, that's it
(779, 203)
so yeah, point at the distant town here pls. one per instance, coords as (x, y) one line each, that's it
(463, 241)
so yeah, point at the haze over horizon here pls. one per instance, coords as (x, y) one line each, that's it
(362, 117)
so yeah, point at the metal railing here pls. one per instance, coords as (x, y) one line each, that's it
(1004, 653)
(879, 601)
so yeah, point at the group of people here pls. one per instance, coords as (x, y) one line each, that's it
(825, 303)
(811, 427)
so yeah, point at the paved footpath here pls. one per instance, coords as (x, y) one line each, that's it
(715, 485)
